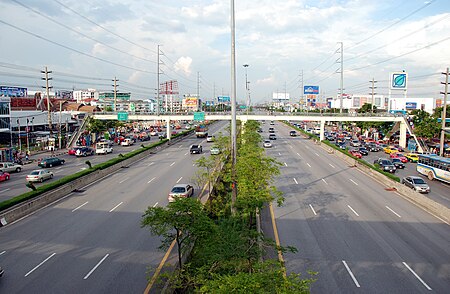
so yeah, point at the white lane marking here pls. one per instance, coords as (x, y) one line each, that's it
(308, 164)
(393, 211)
(353, 182)
(317, 154)
(331, 165)
(116, 206)
(312, 208)
(5, 190)
(291, 146)
(58, 171)
(83, 168)
(417, 276)
(323, 180)
(180, 146)
(3, 252)
(151, 163)
(59, 167)
(36, 267)
(123, 180)
(167, 154)
(151, 180)
(279, 153)
(186, 153)
(156, 204)
(299, 154)
(353, 210)
(295, 180)
(193, 164)
(179, 180)
(172, 163)
(79, 164)
(75, 209)
(285, 164)
(351, 274)
(95, 267)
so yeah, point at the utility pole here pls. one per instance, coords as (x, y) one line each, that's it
(59, 129)
(373, 93)
(246, 87)
(233, 112)
(115, 93)
(301, 89)
(444, 113)
(47, 87)
(342, 75)
(198, 90)
(157, 81)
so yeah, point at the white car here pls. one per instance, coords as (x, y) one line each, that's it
(210, 138)
(39, 175)
(127, 142)
(181, 190)
(267, 144)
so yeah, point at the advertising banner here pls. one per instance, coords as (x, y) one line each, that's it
(223, 99)
(399, 80)
(13, 91)
(411, 105)
(311, 90)
(280, 96)
(190, 101)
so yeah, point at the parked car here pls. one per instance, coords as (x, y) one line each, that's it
(355, 153)
(51, 161)
(196, 149)
(293, 133)
(210, 138)
(399, 156)
(215, 150)
(416, 183)
(181, 190)
(363, 151)
(385, 165)
(272, 137)
(398, 163)
(267, 144)
(39, 175)
(412, 157)
(84, 151)
(10, 167)
(4, 176)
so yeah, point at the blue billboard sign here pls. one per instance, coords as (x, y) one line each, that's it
(411, 105)
(209, 103)
(399, 80)
(311, 90)
(223, 99)
(13, 91)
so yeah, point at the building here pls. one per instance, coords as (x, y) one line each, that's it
(85, 96)
(353, 102)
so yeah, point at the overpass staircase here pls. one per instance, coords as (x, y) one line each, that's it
(421, 146)
(76, 135)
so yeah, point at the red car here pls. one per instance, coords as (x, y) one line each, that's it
(399, 156)
(4, 176)
(73, 150)
(356, 153)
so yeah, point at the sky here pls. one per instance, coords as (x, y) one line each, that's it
(86, 44)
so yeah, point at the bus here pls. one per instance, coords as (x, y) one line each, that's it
(434, 167)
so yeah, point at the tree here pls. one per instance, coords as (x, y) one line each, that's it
(108, 109)
(183, 220)
(367, 108)
(428, 128)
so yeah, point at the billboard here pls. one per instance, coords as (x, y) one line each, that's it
(190, 101)
(13, 91)
(223, 99)
(399, 80)
(209, 103)
(311, 90)
(411, 105)
(280, 96)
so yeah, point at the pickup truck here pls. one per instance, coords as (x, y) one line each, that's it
(10, 167)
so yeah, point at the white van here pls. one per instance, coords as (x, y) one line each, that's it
(103, 148)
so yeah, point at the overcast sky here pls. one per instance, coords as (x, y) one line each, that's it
(88, 43)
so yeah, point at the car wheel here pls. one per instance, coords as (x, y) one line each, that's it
(62, 162)
(50, 165)
(41, 180)
(6, 178)
(51, 176)
(18, 170)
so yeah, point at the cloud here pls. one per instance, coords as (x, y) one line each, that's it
(266, 81)
(183, 64)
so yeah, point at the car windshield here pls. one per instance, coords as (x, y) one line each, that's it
(386, 162)
(194, 146)
(178, 190)
(34, 173)
(418, 181)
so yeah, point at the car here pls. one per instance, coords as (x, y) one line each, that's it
(372, 147)
(215, 150)
(103, 148)
(272, 137)
(363, 151)
(341, 146)
(355, 143)
(127, 142)
(399, 156)
(398, 163)
(4, 176)
(330, 138)
(196, 149)
(267, 144)
(390, 149)
(181, 190)
(51, 161)
(39, 175)
(355, 153)
(412, 157)
(385, 164)
(293, 133)
(210, 138)
(73, 150)
(272, 123)
(260, 130)
(10, 167)
(271, 130)
(416, 183)
(85, 151)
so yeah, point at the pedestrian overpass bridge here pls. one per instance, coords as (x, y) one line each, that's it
(321, 118)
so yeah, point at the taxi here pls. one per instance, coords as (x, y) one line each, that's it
(390, 149)
(412, 157)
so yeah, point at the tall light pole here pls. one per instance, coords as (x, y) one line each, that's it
(342, 76)
(246, 87)
(233, 111)
(444, 113)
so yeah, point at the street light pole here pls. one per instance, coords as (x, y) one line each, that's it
(233, 111)
(246, 87)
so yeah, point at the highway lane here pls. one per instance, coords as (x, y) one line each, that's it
(352, 231)
(91, 241)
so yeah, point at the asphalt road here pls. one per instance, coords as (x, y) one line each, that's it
(359, 237)
(91, 241)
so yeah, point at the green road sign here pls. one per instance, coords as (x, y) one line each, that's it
(199, 116)
(122, 116)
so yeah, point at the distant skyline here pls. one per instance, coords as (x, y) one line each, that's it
(88, 43)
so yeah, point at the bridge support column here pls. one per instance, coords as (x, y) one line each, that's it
(169, 131)
(322, 130)
(402, 140)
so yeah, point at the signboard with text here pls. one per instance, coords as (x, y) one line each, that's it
(122, 116)
(311, 90)
(199, 116)
(223, 99)
(13, 91)
(399, 80)
(411, 105)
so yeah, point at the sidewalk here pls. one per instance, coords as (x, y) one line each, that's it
(38, 155)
